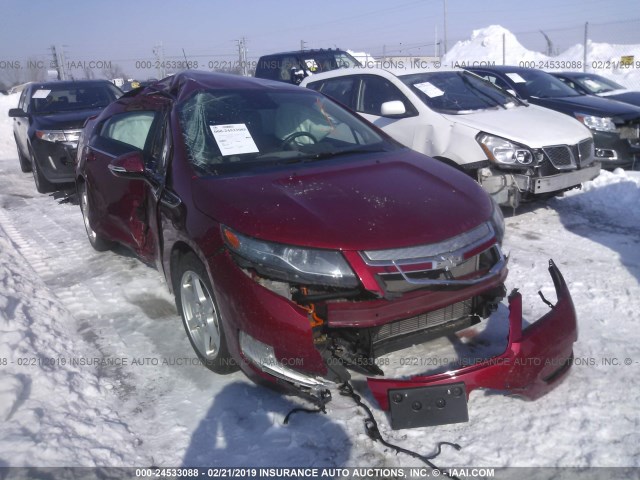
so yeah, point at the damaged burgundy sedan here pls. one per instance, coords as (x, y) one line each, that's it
(301, 242)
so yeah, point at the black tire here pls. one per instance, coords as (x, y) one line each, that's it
(97, 242)
(25, 164)
(42, 184)
(200, 315)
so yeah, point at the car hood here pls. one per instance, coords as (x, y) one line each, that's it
(532, 126)
(391, 199)
(64, 120)
(592, 105)
(626, 96)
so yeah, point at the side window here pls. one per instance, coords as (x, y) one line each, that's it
(129, 128)
(375, 91)
(340, 89)
(286, 64)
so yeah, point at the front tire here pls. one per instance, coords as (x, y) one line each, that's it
(201, 316)
(42, 184)
(25, 164)
(97, 242)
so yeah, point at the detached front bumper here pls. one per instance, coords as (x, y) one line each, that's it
(534, 362)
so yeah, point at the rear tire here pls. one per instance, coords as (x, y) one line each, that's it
(97, 242)
(200, 315)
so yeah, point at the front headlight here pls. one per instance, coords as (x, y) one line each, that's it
(504, 152)
(292, 264)
(59, 135)
(599, 124)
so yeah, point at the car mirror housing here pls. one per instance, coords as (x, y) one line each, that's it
(129, 165)
(392, 108)
(17, 112)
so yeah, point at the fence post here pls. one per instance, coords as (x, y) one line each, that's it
(586, 38)
(504, 50)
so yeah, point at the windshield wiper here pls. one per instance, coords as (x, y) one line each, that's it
(473, 87)
(337, 153)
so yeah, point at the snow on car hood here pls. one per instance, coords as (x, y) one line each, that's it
(532, 126)
(394, 199)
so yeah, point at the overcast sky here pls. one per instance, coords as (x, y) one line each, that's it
(126, 31)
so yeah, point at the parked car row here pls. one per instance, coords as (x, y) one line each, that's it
(615, 125)
(516, 151)
(302, 242)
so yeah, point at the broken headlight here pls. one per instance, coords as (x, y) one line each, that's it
(306, 266)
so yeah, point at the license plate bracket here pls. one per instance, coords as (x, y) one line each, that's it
(428, 406)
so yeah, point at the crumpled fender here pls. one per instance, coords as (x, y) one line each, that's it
(535, 361)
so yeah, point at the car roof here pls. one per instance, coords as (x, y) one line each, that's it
(383, 72)
(302, 52)
(69, 83)
(503, 68)
(182, 84)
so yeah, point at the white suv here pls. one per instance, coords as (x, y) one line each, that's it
(515, 150)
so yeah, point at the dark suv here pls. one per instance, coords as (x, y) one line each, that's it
(293, 67)
(48, 122)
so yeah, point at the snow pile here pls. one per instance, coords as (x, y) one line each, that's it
(7, 143)
(486, 46)
(611, 194)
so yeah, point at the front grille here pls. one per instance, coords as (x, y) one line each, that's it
(586, 152)
(629, 132)
(395, 282)
(421, 252)
(560, 156)
(422, 322)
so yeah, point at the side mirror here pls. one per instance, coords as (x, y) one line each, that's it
(130, 165)
(392, 108)
(17, 113)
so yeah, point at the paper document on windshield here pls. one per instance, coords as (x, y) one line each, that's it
(41, 94)
(429, 89)
(233, 139)
(516, 77)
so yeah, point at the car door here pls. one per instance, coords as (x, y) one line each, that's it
(373, 92)
(123, 205)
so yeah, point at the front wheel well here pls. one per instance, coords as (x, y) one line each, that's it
(471, 171)
(178, 251)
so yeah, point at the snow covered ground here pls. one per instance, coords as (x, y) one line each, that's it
(96, 370)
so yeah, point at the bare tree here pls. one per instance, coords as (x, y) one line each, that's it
(89, 74)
